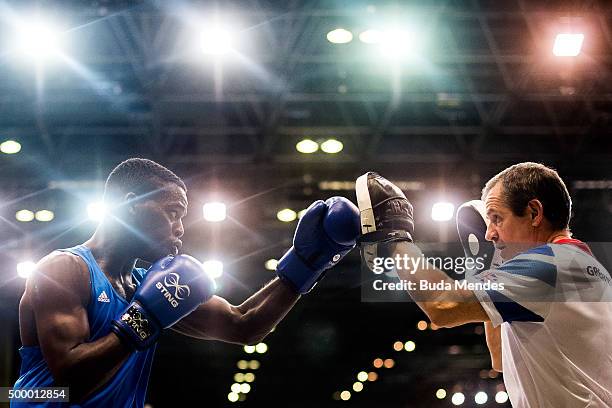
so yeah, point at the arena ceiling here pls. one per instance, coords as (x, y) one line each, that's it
(481, 84)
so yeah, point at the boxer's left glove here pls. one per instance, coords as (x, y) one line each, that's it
(173, 287)
(324, 235)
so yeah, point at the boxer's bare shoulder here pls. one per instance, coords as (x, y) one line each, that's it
(56, 273)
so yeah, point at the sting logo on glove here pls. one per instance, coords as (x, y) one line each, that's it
(137, 322)
(180, 291)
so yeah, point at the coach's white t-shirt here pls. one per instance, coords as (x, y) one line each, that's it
(556, 316)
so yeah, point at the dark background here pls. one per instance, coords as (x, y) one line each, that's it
(484, 93)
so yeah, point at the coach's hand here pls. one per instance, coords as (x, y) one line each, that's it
(172, 288)
(324, 235)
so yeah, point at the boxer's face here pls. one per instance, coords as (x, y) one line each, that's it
(160, 220)
(510, 233)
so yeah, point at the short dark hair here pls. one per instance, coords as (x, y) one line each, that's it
(527, 181)
(140, 176)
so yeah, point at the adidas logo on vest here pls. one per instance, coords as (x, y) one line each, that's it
(103, 297)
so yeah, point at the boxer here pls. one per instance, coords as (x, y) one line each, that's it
(89, 320)
(552, 324)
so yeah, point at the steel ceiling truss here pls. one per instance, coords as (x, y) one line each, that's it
(491, 85)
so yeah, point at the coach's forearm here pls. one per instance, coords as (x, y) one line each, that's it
(493, 336)
(88, 366)
(445, 308)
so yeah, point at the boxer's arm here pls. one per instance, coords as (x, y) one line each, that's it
(247, 323)
(493, 335)
(443, 307)
(60, 294)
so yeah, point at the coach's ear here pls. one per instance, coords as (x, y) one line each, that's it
(129, 203)
(535, 210)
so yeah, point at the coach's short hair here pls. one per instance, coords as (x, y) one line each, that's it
(527, 181)
(140, 176)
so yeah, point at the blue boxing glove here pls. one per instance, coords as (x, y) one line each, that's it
(172, 288)
(324, 235)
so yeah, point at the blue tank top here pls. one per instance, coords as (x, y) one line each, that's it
(128, 387)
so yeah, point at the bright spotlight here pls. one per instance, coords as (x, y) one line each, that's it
(481, 397)
(235, 388)
(245, 388)
(10, 147)
(398, 43)
(441, 393)
(332, 146)
(214, 212)
(339, 36)
(286, 215)
(24, 215)
(249, 349)
(345, 395)
(261, 348)
(254, 364)
(38, 39)
(362, 376)
(96, 211)
(458, 398)
(25, 269)
(213, 268)
(307, 146)
(233, 397)
(216, 41)
(501, 397)
(442, 211)
(409, 345)
(357, 386)
(568, 45)
(377, 363)
(44, 215)
(271, 264)
(371, 36)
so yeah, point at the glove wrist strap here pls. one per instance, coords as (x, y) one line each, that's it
(292, 269)
(135, 327)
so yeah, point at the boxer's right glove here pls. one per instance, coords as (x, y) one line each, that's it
(172, 288)
(385, 212)
(324, 235)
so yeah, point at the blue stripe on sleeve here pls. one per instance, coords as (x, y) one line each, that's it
(541, 250)
(511, 311)
(533, 268)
